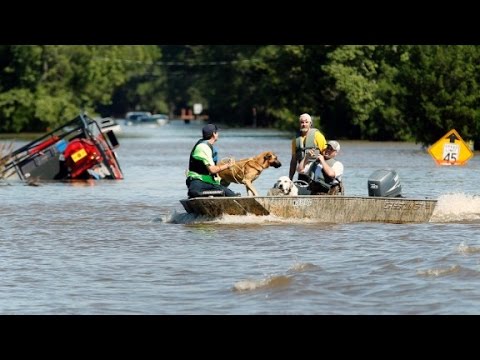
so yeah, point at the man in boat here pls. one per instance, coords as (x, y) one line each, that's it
(325, 172)
(202, 178)
(308, 138)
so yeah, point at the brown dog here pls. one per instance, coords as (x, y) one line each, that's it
(245, 171)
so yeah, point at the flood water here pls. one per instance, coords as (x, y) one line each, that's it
(128, 247)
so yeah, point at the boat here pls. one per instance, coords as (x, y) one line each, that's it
(321, 208)
(384, 204)
(78, 150)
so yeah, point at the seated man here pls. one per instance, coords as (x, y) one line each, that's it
(202, 178)
(325, 173)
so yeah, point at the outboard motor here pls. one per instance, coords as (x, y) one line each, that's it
(384, 183)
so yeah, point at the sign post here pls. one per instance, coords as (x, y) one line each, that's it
(450, 150)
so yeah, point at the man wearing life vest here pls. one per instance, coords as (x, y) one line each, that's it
(202, 168)
(307, 138)
(324, 173)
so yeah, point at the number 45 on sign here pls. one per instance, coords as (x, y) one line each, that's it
(450, 150)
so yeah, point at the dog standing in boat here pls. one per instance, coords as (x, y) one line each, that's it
(245, 171)
(283, 186)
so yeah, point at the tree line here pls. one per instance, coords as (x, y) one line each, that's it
(370, 92)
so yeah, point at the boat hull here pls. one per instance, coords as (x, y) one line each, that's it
(324, 209)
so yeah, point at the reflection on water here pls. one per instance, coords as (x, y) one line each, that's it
(128, 247)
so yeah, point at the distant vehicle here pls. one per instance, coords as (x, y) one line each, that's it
(133, 117)
(159, 119)
(153, 120)
(107, 124)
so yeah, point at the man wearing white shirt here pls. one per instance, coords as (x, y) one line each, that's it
(325, 173)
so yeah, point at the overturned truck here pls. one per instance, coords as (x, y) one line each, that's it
(79, 150)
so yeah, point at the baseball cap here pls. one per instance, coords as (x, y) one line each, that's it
(208, 131)
(334, 144)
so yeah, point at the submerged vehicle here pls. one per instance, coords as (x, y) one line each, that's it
(384, 204)
(77, 150)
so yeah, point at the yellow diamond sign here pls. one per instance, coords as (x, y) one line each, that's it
(450, 150)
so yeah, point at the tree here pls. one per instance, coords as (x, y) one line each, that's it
(441, 91)
(46, 85)
(365, 87)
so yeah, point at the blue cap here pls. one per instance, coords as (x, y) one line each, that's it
(208, 131)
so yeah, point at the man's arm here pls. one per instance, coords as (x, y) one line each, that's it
(303, 163)
(328, 170)
(293, 166)
(338, 169)
(214, 169)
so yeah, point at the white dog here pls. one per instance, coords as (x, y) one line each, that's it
(284, 186)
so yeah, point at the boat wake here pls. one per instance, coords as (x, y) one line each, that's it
(275, 281)
(190, 218)
(457, 207)
(271, 282)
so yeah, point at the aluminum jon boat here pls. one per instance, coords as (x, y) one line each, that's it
(324, 208)
(384, 204)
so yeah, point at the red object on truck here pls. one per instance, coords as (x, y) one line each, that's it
(43, 145)
(81, 155)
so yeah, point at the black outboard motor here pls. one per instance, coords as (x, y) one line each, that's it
(384, 183)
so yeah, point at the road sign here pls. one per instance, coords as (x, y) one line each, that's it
(450, 150)
(197, 109)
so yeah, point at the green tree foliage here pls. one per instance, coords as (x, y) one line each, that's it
(186, 68)
(46, 85)
(441, 91)
(374, 92)
(290, 83)
(280, 82)
(365, 88)
(145, 86)
(355, 72)
(228, 86)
